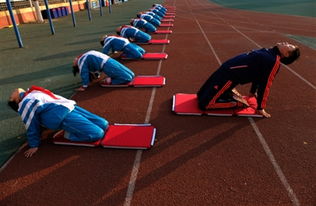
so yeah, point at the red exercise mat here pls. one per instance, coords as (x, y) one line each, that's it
(155, 56)
(167, 20)
(166, 25)
(142, 81)
(156, 41)
(129, 136)
(186, 104)
(163, 32)
(169, 17)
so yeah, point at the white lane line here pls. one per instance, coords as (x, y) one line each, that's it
(138, 157)
(12, 157)
(264, 144)
(277, 168)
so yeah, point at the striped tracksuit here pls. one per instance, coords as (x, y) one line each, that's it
(37, 109)
(258, 67)
(116, 43)
(134, 33)
(94, 61)
(150, 19)
(144, 25)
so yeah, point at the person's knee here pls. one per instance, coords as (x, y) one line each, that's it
(98, 134)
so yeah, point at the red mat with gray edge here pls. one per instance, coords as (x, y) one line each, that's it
(142, 81)
(149, 56)
(122, 136)
(163, 32)
(155, 41)
(166, 25)
(186, 104)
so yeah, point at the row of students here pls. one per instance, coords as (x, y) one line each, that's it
(41, 109)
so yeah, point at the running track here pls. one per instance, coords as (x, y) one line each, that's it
(196, 160)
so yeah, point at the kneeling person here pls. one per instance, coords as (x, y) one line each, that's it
(120, 44)
(92, 61)
(258, 67)
(133, 34)
(39, 107)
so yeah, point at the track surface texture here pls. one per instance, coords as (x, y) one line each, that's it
(195, 160)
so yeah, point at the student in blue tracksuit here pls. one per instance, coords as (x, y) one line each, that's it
(133, 34)
(143, 25)
(153, 14)
(120, 44)
(160, 7)
(39, 107)
(159, 13)
(258, 67)
(150, 19)
(92, 62)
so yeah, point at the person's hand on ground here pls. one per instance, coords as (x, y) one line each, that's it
(29, 153)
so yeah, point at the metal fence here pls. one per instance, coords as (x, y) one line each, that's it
(27, 4)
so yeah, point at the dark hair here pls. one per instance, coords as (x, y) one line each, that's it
(138, 15)
(118, 32)
(75, 69)
(294, 55)
(13, 105)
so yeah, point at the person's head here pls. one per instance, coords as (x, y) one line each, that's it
(15, 98)
(75, 67)
(118, 30)
(102, 39)
(289, 52)
(139, 14)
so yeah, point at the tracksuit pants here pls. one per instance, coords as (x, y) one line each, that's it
(119, 73)
(133, 51)
(82, 125)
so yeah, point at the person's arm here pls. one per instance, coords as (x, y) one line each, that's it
(253, 89)
(33, 133)
(84, 74)
(106, 48)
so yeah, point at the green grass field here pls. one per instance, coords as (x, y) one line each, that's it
(289, 7)
(46, 59)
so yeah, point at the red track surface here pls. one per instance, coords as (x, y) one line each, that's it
(196, 160)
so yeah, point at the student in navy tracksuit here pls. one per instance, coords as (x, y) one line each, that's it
(40, 108)
(258, 67)
(159, 13)
(120, 44)
(143, 25)
(150, 19)
(160, 7)
(153, 14)
(92, 62)
(133, 34)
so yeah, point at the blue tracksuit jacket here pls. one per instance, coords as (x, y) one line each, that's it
(143, 24)
(134, 33)
(38, 109)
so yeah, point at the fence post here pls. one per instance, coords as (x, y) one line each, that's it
(72, 14)
(49, 18)
(16, 29)
(100, 4)
(88, 9)
(110, 6)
